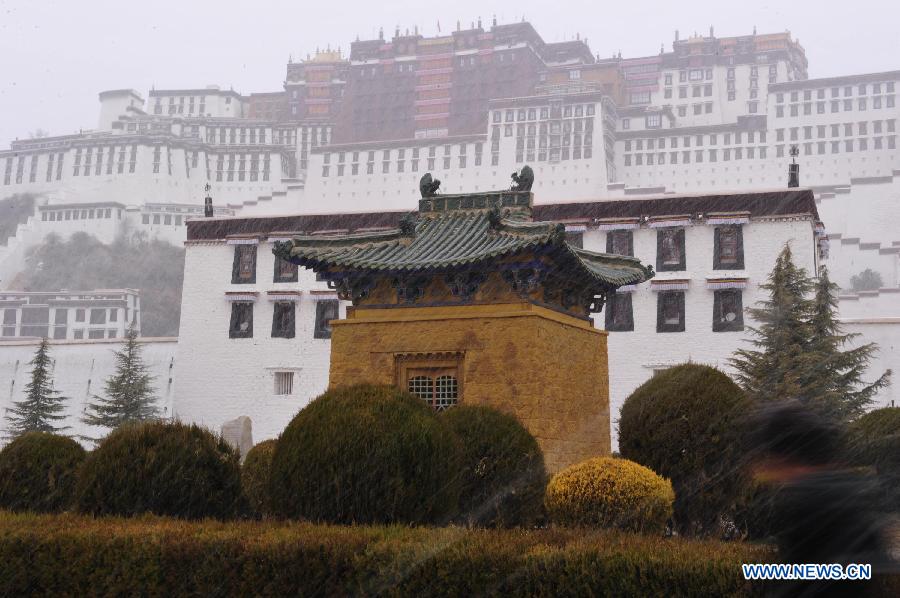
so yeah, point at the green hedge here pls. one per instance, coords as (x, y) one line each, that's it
(75, 555)
(255, 477)
(163, 468)
(503, 474)
(38, 472)
(687, 425)
(366, 454)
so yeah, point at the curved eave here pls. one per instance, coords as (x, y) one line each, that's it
(453, 242)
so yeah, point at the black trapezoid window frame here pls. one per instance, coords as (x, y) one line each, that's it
(241, 325)
(326, 311)
(728, 247)
(619, 316)
(243, 269)
(620, 242)
(284, 317)
(285, 271)
(670, 311)
(670, 249)
(728, 310)
(575, 239)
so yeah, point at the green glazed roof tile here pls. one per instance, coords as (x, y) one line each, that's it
(451, 240)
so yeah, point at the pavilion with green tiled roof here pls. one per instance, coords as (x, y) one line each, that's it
(469, 300)
(462, 239)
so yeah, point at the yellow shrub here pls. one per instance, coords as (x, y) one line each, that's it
(609, 492)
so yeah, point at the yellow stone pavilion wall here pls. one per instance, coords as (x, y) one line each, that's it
(547, 368)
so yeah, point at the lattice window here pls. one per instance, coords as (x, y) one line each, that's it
(422, 387)
(432, 378)
(437, 386)
(446, 392)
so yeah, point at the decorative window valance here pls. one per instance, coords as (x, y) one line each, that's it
(624, 224)
(243, 241)
(714, 284)
(243, 296)
(669, 285)
(284, 295)
(323, 295)
(667, 221)
(726, 218)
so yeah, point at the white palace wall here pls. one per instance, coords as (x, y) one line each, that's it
(230, 377)
(635, 355)
(80, 369)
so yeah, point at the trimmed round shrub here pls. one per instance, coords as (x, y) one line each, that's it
(163, 468)
(503, 475)
(610, 492)
(38, 472)
(255, 477)
(686, 423)
(366, 454)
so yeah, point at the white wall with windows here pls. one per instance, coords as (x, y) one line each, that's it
(563, 141)
(251, 339)
(66, 315)
(692, 309)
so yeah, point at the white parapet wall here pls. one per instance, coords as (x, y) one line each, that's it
(80, 369)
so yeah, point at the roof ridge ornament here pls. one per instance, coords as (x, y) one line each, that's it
(523, 179)
(428, 186)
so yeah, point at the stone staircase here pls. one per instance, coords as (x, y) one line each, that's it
(282, 200)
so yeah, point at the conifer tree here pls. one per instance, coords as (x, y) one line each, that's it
(835, 382)
(800, 350)
(776, 368)
(129, 393)
(42, 405)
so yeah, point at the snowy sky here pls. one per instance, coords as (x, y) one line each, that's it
(57, 55)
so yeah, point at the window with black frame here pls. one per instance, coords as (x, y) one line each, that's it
(285, 271)
(283, 319)
(670, 249)
(670, 311)
(575, 238)
(241, 320)
(326, 311)
(728, 311)
(619, 316)
(620, 242)
(728, 253)
(243, 270)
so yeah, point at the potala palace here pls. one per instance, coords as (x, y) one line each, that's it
(679, 159)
